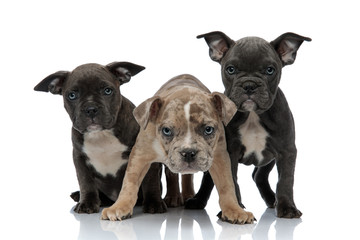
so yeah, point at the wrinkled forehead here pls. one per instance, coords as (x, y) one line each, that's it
(190, 106)
(252, 48)
(91, 75)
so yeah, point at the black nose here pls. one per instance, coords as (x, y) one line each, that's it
(188, 154)
(91, 111)
(249, 87)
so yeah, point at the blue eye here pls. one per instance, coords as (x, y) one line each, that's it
(208, 130)
(270, 71)
(230, 70)
(108, 91)
(166, 132)
(72, 96)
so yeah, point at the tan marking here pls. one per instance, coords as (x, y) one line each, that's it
(140, 160)
(253, 136)
(187, 186)
(220, 172)
(104, 151)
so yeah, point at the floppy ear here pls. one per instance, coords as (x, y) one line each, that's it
(124, 70)
(147, 111)
(287, 45)
(224, 106)
(218, 44)
(53, 83)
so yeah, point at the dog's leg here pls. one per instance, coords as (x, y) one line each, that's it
(260, 176)
(89, 201)
(138, 166)
(234, 171)
(152, 189)
(201, 198)
(173, 197)
(221, 174)
(187, 186)
(285, 206)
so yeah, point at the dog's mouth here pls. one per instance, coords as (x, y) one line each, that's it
(88, 125)
(190, 169)
(94, 127)
(248, 105)
(183, 167)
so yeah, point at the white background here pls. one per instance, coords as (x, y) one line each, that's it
(322, 87)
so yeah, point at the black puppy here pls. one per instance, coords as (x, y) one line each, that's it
(262, 132)
(103, 132)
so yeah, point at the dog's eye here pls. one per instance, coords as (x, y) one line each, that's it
(166, 132)
(208, 130)
(72, 96)
(108, 91)
(230, 70)
(270, 71)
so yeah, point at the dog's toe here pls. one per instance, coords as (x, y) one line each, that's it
(288, 212)
(87, 207)
(158, 206)
(174, 201)
(115, 214)
(237, 216)
(194, 203)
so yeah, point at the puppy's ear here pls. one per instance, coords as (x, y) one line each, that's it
(147, 111)
(218, 44)
(224, 106)
(53, 83)
(287, 45)
(124, 70)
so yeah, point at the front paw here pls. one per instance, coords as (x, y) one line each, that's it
(154, 206)
(87, 207)
(174, 201)
(236, 216)
(286, 211)
(116, 212)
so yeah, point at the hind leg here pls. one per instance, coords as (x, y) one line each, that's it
(173, 196)
(261, 178)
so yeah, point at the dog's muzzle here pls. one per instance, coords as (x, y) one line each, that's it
(188, 155)
(249, 94)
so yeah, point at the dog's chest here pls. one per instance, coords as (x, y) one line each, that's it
(253, 137)
(105, 152)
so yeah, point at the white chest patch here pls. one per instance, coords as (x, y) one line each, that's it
(253, 136)
(104, 151)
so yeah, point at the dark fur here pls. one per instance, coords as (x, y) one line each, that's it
(251, 57)
(112, 111)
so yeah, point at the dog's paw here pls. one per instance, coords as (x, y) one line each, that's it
(236, 216)
(116, 212)
(174, 201)
(195, 203)
(154, 206)
(187, 196)
(283, 211)
(87, 207)
(75, 196)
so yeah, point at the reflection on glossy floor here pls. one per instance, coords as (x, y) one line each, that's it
(183, 224)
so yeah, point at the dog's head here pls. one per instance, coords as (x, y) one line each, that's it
(91, 93)
(251, 67)
(187, 126)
